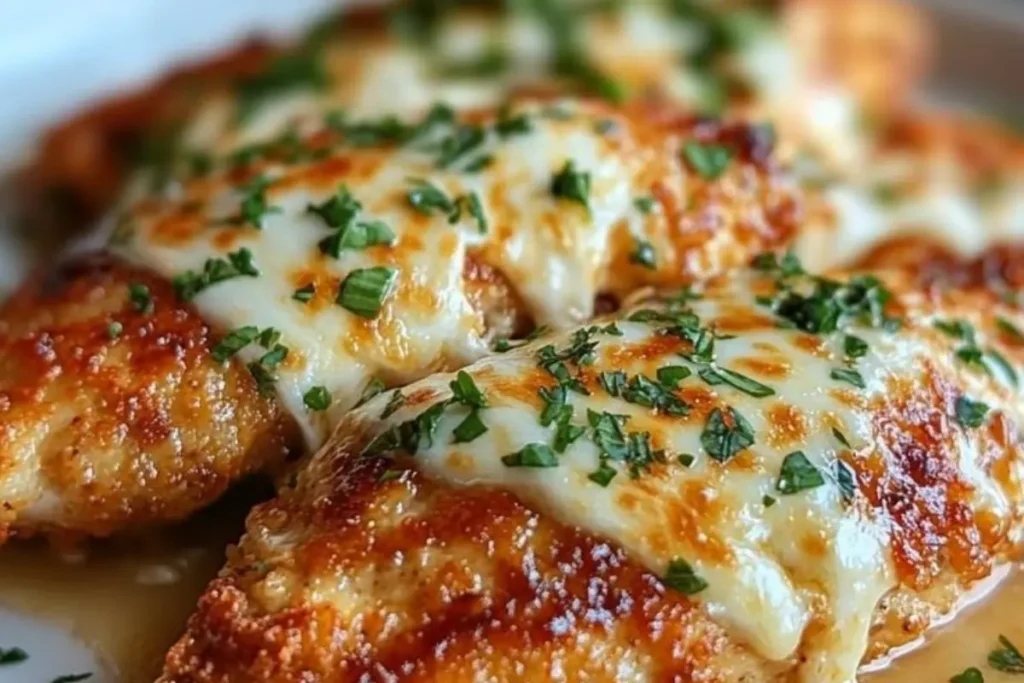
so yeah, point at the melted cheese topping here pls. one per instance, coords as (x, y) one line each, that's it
(927, 188)
(556, 250)
(791, 569)
(641, 46)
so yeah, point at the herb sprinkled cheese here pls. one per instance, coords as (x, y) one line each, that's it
(318, 398)
(726, 434)
(798, 474)
(572, 185)
(532, 455)
(364, 290)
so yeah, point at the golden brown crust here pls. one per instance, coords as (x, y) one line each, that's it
(448, 584)
(361, 570)
(110, 427)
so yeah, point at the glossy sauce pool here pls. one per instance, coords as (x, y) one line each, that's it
(130, 601)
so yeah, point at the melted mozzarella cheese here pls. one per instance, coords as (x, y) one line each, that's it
(553, 249)
(910, 192)
(787, 573)
(645, 46)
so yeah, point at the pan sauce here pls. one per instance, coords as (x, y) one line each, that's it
(139, 598)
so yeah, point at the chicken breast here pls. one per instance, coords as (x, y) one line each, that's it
(811, 66)
(314, 271)
(776, 479)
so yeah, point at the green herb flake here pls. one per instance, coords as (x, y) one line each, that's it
(644, 205)
(644, 255)
(234, 342)
(1009, 329)
(854, 347)
(671, 375)
(798, 474)
(364, 290)
(359, 235)
(681, 577)
(304, 294)
(613, 382)
(254, 202)
(470, 428)
(466, 392)
(957, 329)
(532, 455)
(1006, 658)
(142, 300)
(970, 675)
(429, 199)
(725, 434)
(72, 678)
(565, 431)
(339, 210)
(396, 401)
(240, 263)
(572, 185)
(708, 160)
(970, 413)
(12, 655)
(114, 330)
(686, 459)
(848, 375)
(846, 479)
(374, 387)
(768, 501)
(317, 398)
(749, 386)
(840, 437)
(603, 475)
(476, 210)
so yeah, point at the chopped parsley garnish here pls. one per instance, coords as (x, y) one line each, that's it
(72, 678)
(565, 431)
(717, 375)
(304, 294)
(410, 435)
(355, 235)
(970, 675)
(396, 401)
(427, 198)
(1004, 366)
(725, 434)
(832, 304)
(644, 391)
(461, 142)
(317, 398)
(374, 386)
(958, 329)
(572, 185)
(788, 266)
(768, 501)
(798, 474)
(554, 400)
(848, 375)
(1009, 329)
(644, 204)
(644, 255)
(466, 392)
(142, 300)
(339, 210)
(114, 330)
(1007, 658)
(681, 577)
(254, 202)
(971, 355)
(854, 347)
(603, 475)
(476, 210)
(470, 428)
(840, 437)
(846, 479)
(532, 455)
(672, 375)
(234, 342)
(607, 434)
(238, 264)
(364, 290)
(686, 459)
(512, 124)
(301, 69)
(970, 413)
(12, 655)
(708, 160)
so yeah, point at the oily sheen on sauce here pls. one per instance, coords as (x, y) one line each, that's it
(140, 596)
